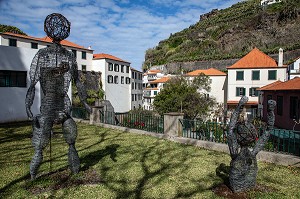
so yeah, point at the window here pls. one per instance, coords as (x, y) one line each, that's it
(116, 67)
(122, 68)
(127, 69)
(239, 75)
(132, 97)
(155, 92)
(110, 66)
(255, 75)
(13, 78)
(269, 97)
(294, 113)
(116, 79)
(74, 53)
(132, 75)
(12, 42)
(127, 80)
(122, 80)
(272, 74)
(110, 79)
(83, 55)
(83, 67)
(279, 105)
(240, 91)
(135, 87)
(34, 45)
(132, 85)
(253, 92)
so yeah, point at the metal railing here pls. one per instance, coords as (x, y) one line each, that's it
(150, 123)
(80, 113)
(281, 140)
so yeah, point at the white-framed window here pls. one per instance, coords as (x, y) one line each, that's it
(240, 91)
(116, 79)
(110, 79)
(127, 80)
(116, 67)
(110, 66)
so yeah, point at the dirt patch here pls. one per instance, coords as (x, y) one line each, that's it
(224, 191)
(62, 180)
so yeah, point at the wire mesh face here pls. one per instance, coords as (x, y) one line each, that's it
(57, 27)
(246, 133)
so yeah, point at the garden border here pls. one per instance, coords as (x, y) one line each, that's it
(265, 156)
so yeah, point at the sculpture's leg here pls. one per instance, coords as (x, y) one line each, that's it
(70, 134)
(243, 171)
(41, 134)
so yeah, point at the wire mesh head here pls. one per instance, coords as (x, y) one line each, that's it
(57, 27)
(246, 133)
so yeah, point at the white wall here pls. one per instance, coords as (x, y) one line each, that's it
(249, 83)
(119, 94)
(218, 88)
(12, 99)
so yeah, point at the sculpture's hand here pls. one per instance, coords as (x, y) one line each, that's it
(87, 107)
(243, 101)
(29, 113)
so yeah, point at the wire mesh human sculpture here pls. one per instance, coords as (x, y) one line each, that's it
(243, 165)
(54, 67)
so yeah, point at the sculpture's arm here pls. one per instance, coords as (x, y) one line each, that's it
(34, 75)
(265, 136)
(231, 137)
(81, 90)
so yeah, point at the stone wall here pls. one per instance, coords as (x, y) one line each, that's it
(174, 68)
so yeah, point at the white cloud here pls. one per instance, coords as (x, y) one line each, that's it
(123, 28)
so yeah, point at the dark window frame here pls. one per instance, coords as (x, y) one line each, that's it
(110, 66)
(270, 76)
(83, 67)
(255, 75)
(239, 75)
(34, 45)
(294, 107)
(12, 42)
(279, 105)
(110, 79)
(238, 91)
(10, 78)
(255, 91)
(116, 67)
(83, 55)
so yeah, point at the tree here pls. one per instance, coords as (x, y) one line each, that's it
(13, 29)
(182, 95)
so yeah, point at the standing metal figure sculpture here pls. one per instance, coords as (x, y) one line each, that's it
(54, 67)
(243, 165)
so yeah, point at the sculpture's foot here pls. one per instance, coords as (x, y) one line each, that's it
(73, 157)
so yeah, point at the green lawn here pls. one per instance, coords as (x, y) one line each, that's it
(116, 164)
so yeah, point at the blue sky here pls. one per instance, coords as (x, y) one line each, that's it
(123, 28)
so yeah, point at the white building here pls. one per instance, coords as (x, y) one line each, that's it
(153, 88)
(16, 54)
(269, 2)
(150, 90)
(136, 89)
(116, 81)
(294, 69)
(254, 70)
(218, 83)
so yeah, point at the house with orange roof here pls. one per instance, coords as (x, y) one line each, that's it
(116, 80)
(218, 83)
(153, 88)
(16, 54)
(287, 96)
(254, 70)
(83, 55)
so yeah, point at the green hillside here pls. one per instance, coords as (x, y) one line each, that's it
(231, 33)
(13, 29)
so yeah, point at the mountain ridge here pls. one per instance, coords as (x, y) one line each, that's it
(231, 33)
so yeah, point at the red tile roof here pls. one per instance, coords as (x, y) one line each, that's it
(254, 59)
(152, 88)
(233, 102)
(153, 71)
(269, 85)
(107, 56)
(208, 72)
(46, 40)
(161, 80)
(293, 84)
